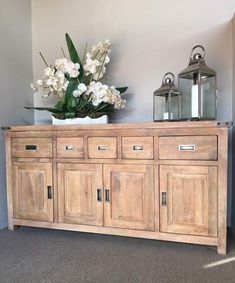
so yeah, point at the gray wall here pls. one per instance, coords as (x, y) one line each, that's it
(149, 38)
(15, 76)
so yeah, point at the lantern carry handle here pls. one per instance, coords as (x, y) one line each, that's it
(202, 54)
(167, 76)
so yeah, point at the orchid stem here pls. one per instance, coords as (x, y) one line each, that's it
(84, 54)
(62, 49)
(102, 65)
(43, 59)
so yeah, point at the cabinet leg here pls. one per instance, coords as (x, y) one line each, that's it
(222, 241)
(13, 227)
(222, 249)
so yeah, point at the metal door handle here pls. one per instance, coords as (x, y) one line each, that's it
(99, 195)
(107, 195)
(49, 192)
(163, 198)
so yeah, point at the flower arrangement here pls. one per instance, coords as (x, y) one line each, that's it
(77, 84)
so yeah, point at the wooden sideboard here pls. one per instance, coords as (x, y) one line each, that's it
(163, 181)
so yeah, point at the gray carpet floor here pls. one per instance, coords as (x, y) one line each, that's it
(42, 255)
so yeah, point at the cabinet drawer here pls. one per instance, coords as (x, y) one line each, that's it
(31, 147)
(188, 147)
(137, 147)
(102, 147)
(70, 147)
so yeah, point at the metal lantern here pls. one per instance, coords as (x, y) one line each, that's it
(198, 84)
(167, 100)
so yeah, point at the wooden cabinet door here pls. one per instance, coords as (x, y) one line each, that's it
(80, 193)
(129, 196)
(32, 185)
(188, 196)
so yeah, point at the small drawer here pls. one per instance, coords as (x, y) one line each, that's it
(31, 147)
(70, 147)
(137, 147)
(188, 147)
(102, 147)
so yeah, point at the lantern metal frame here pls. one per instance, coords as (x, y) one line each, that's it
(168, 90)
(197, 71)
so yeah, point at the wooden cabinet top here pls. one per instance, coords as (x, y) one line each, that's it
(120, 126)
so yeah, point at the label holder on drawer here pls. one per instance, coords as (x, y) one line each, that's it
(30, 147)
(187, 147)
(101, 147)
(69, 147)
(138, 147)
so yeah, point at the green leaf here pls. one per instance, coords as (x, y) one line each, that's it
(97, 115)
(72, 103)
(69, 92)
(50, 109)
(72, 50)
(122, 89)
(60, 105)
(70, 114)
(74, 55)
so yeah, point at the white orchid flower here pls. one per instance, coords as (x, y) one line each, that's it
(107, 59)
(91, 65)
(80, 90)
(67, 66)
(76, 93)
(49, 71)
(39, 82)
(34, 87)
(82, 87)
(59, 74)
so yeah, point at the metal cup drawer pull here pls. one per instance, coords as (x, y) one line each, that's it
(30, 147)
(138, 147)
(69, 147)
(187, 147)
(102, 147)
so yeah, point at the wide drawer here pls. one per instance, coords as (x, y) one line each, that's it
(137, 147)
(31, 147)
(70, 147)
(188, 147)
(102, 147)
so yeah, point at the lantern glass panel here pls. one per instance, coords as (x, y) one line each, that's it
(159, 107)
(199, 101)
(167, 100)
(198, 84)
(186, 86)
(208, 93)
(167, 106)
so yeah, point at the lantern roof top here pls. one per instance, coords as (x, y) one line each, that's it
(197, 65)
(168, 86)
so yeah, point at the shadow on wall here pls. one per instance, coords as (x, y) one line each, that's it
(219, 52)
(173, 55)
(218, 45)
